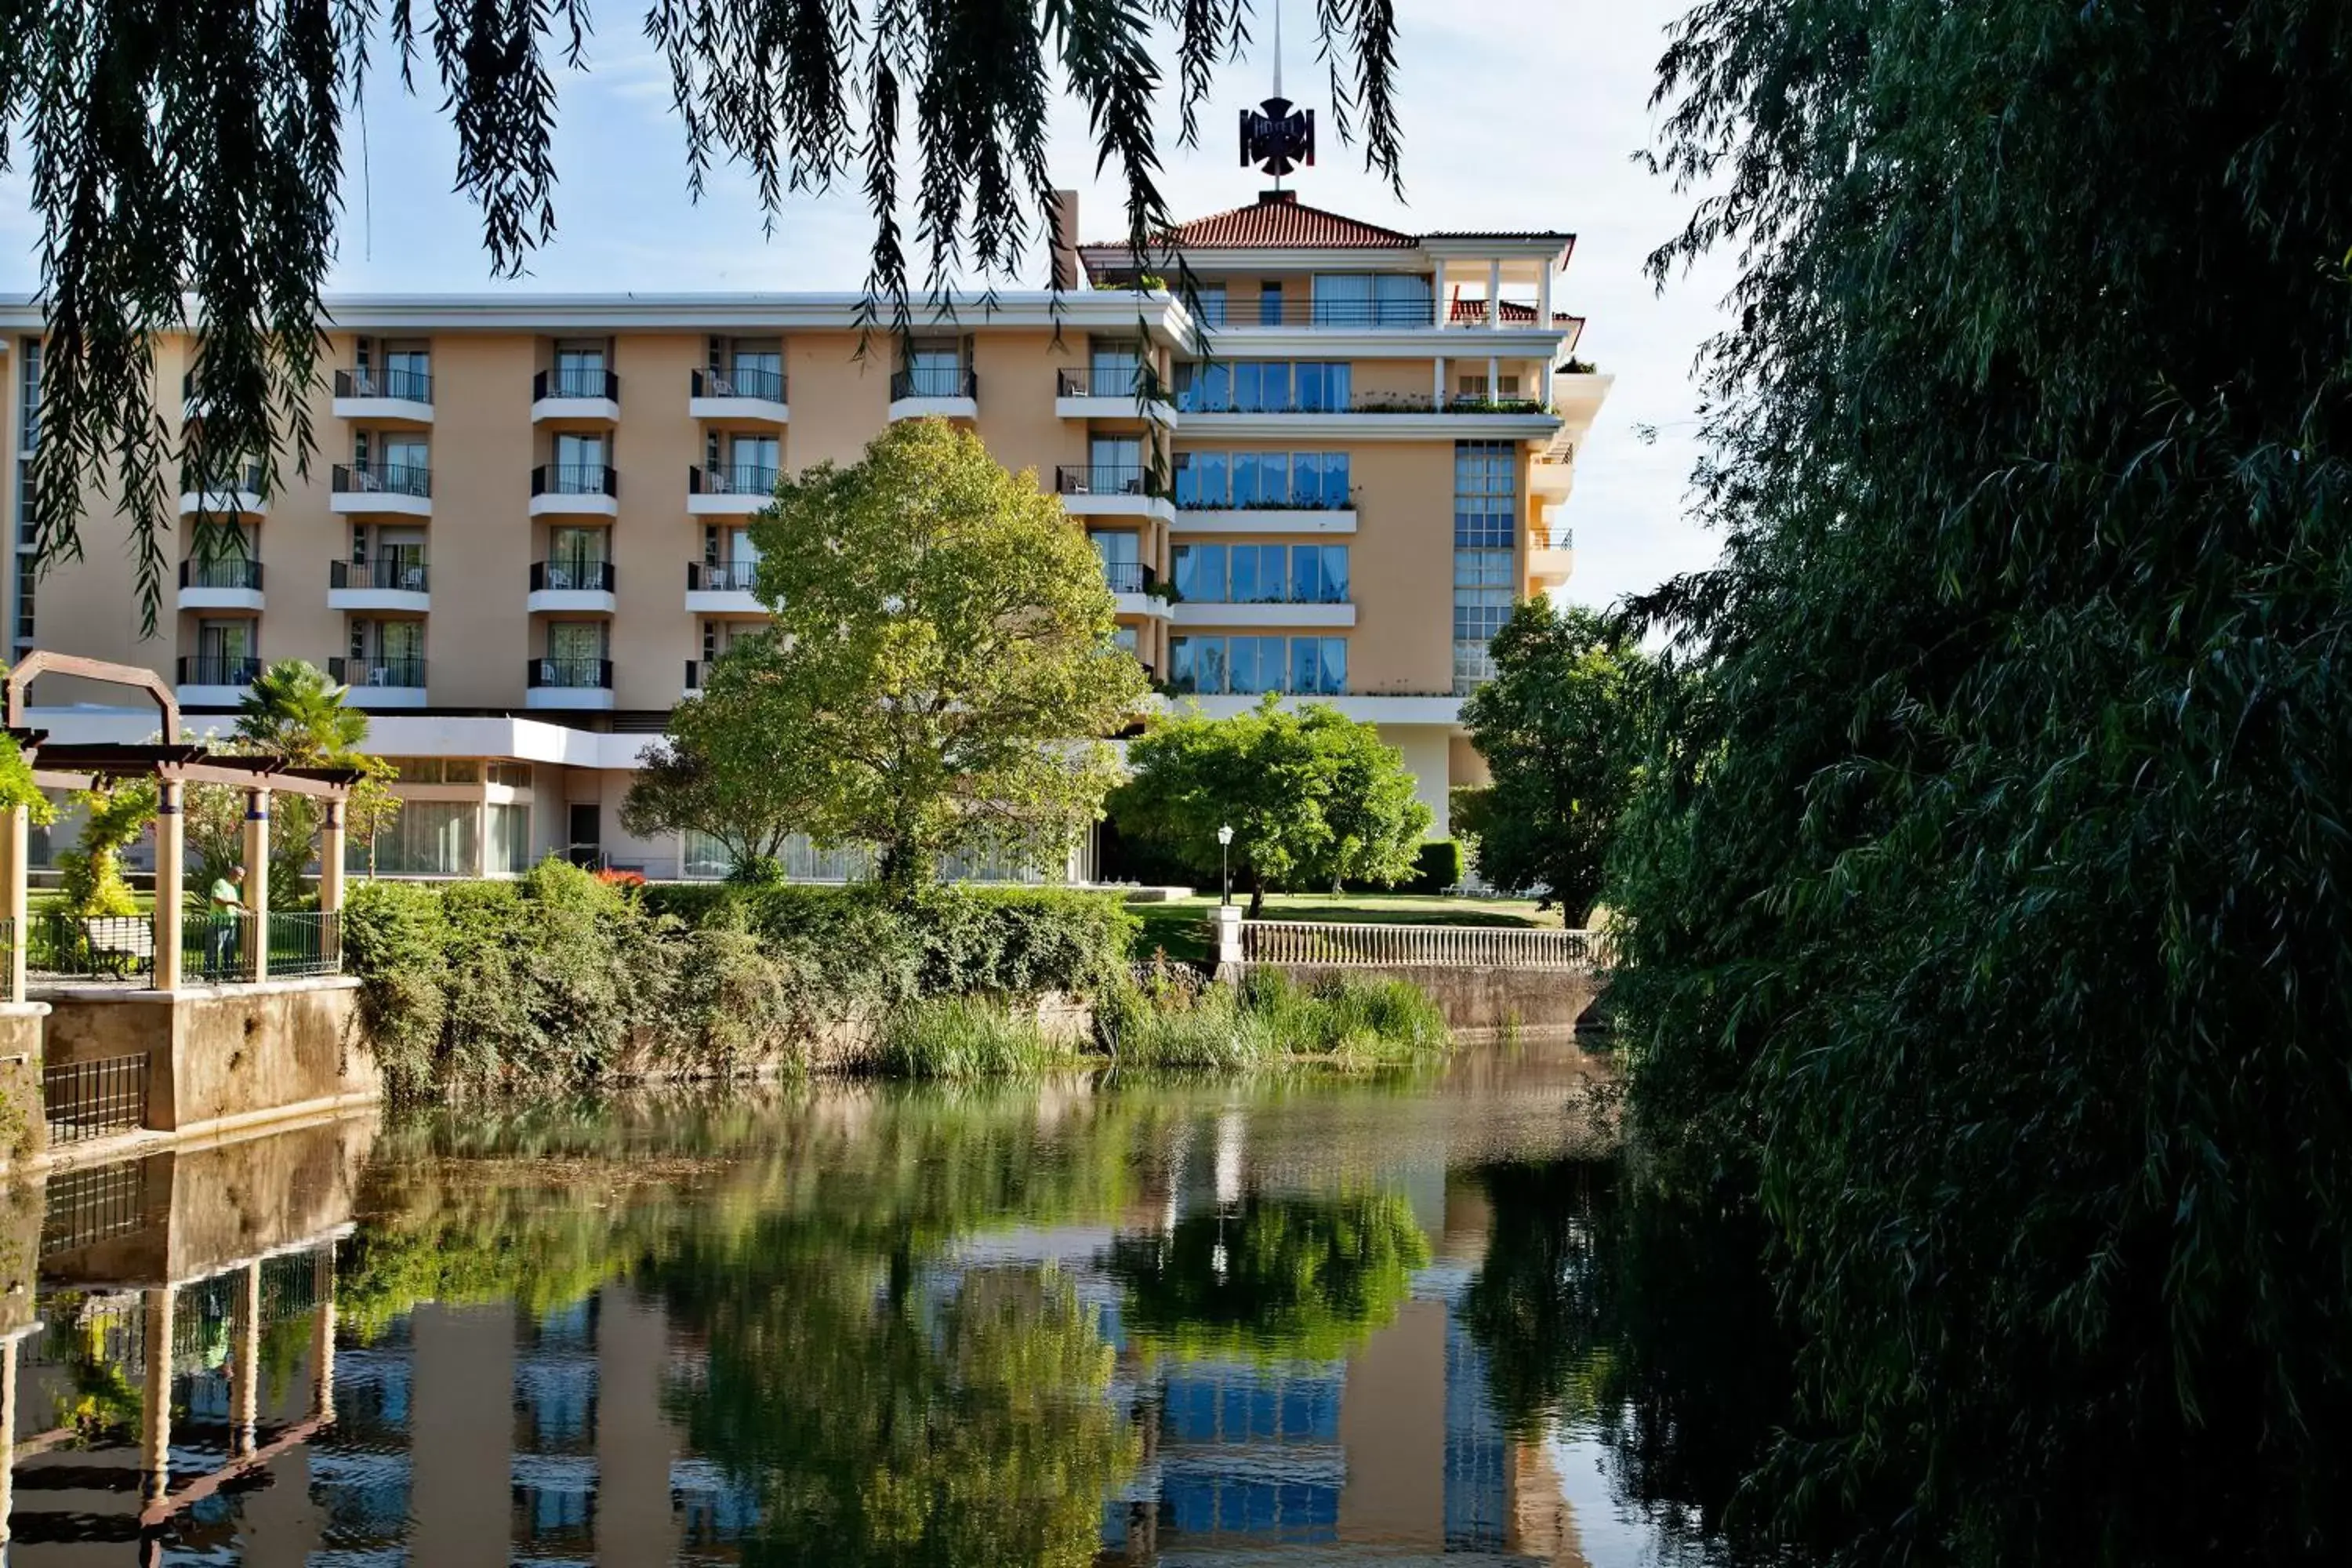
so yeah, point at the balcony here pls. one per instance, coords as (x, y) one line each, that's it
(1110, 489)
(381, 489)
(570, 588)
(385, 396)
(192, 405)
(215, 681)
(380, 682)
(935, 392)
(724, 589)
(575, 395)
(572, 683)
(1551, 555)
(1131, 584)
(241, 497)
(230, 582)
(733, 490)
(1328, 508)
(744, 394)
(394, 583)
(575, 489)
(1293, 608)
(1107, 392)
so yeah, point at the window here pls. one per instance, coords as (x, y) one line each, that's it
(1111, 372)
(510, 839)
(1261, 479)
(1258, 574)
(579, 369)
(1254, 664)
(425, 838)
(1249, 665)
(1197, 664)
(1343, 299)
(1486, 494)
(1322, 387)
(511, 775)
(1116, 464)
(1200, 572)
(1485, 526)
(755, 459)
(935, 368)
(1123, 636)
(1290, 480)
(1318, 573)
(1210, 304)
(1264, 386)
(1319, 665)
(1269, 304)
(408, 370)
(29, 441)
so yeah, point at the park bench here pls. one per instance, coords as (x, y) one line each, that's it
(119, 946)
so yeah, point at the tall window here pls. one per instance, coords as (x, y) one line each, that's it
(29, 441)
(580, 369)
(1276, 480)
(1111, 369)
(1371, 299)
(1246, 666)
(1486, 528)
(1262, 573)
(1265, 386)
(935, 368)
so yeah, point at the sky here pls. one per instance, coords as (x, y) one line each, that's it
(1517, 114)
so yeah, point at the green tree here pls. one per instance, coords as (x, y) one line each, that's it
(91, 879)
(1982, 891)
(717, 772)
(295, 713)
(940, 666)
(159, 203)
(1312, 797)
(1558, 726)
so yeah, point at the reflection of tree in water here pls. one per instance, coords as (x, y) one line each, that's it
(1309, 1278)
(1648, 1324)
(881, 1416)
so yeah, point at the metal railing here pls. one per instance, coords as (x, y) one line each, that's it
(731, 479)
(1100, 381)
(226, 572)
(305, 941)
(574, 479)
(577, 576)
(1128, 576)
(216, 948)
(576, 381)
(219, 670)
(92, 1203)
(89, 1099)
(406, 386)
(8, 971)
(371, 674)
(1202, 400)
(719, 576)
(1285, 594)
(1194, 497)
(755, 382)
(572, 674)
(244, 479)
(381, 479)
(1105, 479)
(934, 381)
(1460, 947)
(395, 571)
(91, 947)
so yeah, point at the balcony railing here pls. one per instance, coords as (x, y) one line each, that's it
(305, 941)
(575, 381)
(574, 479)
(1191, 497)
(395, 572)
(720, 578)
(1098, 381)
(378, 674)
(406, 386)
(381, 479)
(214, 946)
(246, 476)
(934, 381)
(1350, 313)
(570, 674)
(219, 669)
(229, 571)
(1128, 576)
(731, 479)
(1105, 479)
(584, 576)
(744, 380)
(1202, 400)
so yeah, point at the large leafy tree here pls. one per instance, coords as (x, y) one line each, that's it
(718, 772)
(1557, 727)
(940, 670)
(1313, 797)
(1984, 891)
(194, 153)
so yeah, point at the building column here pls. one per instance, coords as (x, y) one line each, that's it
(1543, 299)
(1437, 382)
(331, 859)
(323, 1333)
(16, 869)
(1494, 377)
(171, 857)
(245, 1363)
(1495, 296)
(256, 883)
(155, 1403)
(1442, 313)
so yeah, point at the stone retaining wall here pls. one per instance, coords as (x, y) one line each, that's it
(1481, 1003)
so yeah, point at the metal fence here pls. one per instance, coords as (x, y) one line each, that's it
(91, 947)
(95, 1204)
(305, 941)
(1454, 947)
(8, 971)
(89, 1099)
(213, 947)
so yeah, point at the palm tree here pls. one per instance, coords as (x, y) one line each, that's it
(293, 711)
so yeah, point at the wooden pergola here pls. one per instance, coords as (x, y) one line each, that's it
(174, 764)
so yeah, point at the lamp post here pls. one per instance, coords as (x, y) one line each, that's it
(1224, 865)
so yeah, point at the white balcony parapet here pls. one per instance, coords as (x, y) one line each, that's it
(1268, 520)
(1192, 612)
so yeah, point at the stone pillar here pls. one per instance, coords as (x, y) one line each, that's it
(331, 859)
(1437, 382)
(170, 855)
(16, 856)
(155, 1405)
(257, 883)
(1225, 940)
(323, 1333)
(1494, 297)
(245, 1363)
(1543, 299)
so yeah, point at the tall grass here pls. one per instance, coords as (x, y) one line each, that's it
(961, 1038)
(1343, 1019)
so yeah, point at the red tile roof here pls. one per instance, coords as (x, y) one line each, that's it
(1279, 221)
(1475, 309)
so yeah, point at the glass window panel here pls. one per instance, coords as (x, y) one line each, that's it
(1200, 572)
(1254, 664)
(1123, 636)
(1335, 664)
(1343, 299)
(1215, 478)
(1404, 300)
(1305, 664)
(1211, 304)
(1333, 571)
(1269, 304)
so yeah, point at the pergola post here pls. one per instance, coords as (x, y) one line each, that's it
(155, 1407)
(331, 859)
(245, 1363)
(322, 1332)
(256, 883)
(170, 858)
(15, 850)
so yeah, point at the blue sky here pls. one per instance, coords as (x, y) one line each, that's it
(1517, 114)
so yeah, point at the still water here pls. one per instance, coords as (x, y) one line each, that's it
(1184, 1323)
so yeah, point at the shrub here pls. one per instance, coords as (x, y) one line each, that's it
(393, 937)
(960, 1038)
(1437, 866)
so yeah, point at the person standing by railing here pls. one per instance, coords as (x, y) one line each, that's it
(227, 902)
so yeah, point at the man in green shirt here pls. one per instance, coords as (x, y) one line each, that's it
(227, 903)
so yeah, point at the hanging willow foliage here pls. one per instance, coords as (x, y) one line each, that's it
(193, 152)
(1983, 904)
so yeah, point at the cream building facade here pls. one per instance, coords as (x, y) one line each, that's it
(524, 535)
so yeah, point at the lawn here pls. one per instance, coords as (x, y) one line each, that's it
(1179, 926)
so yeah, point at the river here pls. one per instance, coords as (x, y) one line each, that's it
(1308, 1319)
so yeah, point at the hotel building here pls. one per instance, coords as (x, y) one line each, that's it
(525, 534)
